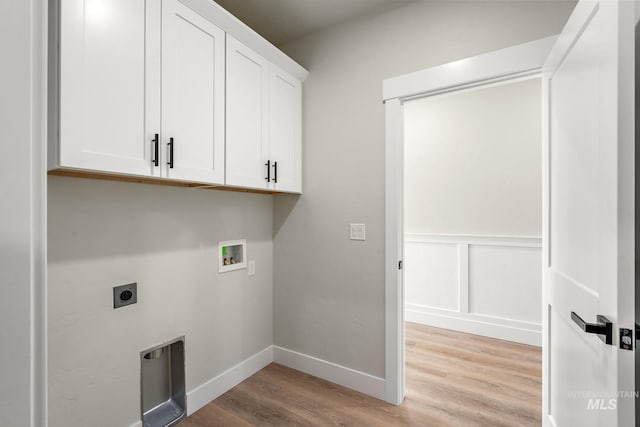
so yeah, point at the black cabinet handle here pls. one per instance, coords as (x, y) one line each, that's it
(170, 162)
(156, 147)
(604, 328)
(275, 171)
(268, 165)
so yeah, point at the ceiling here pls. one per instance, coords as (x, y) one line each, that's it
(281, 21)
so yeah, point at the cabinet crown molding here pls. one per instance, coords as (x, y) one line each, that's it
(244, 34)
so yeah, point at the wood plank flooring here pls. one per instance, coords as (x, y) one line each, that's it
(453, 379)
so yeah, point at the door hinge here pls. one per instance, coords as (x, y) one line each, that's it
(400, 265)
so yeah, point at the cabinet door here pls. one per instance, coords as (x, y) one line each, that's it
(104, 112)
(285, 137)
(192, 95)
(247, 90)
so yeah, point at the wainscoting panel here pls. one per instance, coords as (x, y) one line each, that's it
(433, 263)
(506, 281)
(485, 285)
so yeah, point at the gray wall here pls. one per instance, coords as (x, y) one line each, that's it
(103, 234)
(329, 291)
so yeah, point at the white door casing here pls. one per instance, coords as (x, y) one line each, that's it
(394, 253)
(588, 218)
(193, 96)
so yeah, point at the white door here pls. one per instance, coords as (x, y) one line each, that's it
(106, 121)
(192, 95)
(285, 134)
(589, 218)
(247, 137)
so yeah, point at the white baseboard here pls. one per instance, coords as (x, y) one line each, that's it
(341, 375)
(215, 387)
(136, 424)
(479, 325)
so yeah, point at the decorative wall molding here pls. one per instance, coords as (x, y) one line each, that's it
(494, 327)
(480, 284)
(475, 239)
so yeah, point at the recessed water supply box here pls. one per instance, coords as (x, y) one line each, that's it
(163, 384)
(232, 255)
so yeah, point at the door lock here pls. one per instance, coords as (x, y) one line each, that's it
(626, 339)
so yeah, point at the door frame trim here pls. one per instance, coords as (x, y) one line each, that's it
(524, 60)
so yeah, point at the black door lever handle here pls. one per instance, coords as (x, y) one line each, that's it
(604, 328)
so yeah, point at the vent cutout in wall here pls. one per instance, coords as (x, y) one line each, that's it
(163, 384)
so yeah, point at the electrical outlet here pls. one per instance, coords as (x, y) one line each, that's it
(125, 295)
(252, 268)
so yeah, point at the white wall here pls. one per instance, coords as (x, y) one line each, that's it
(329, 291)
(22, 192)
(103, 234)
(473, 161)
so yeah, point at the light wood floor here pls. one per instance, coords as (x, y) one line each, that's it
(453, 379)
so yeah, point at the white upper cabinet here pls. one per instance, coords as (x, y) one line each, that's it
(131, 70)
(102, 102)
(247, 103)
(263, 123)
(157, 88)
(192, 95)
(285, 133)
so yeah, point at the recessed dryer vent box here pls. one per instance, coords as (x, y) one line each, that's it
(163, 384)
(232, 255)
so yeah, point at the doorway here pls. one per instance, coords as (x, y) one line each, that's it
(473, 251)
(473, 210)
(516, 66)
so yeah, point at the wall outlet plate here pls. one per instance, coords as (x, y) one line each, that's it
(125, 295)
(357, 232)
